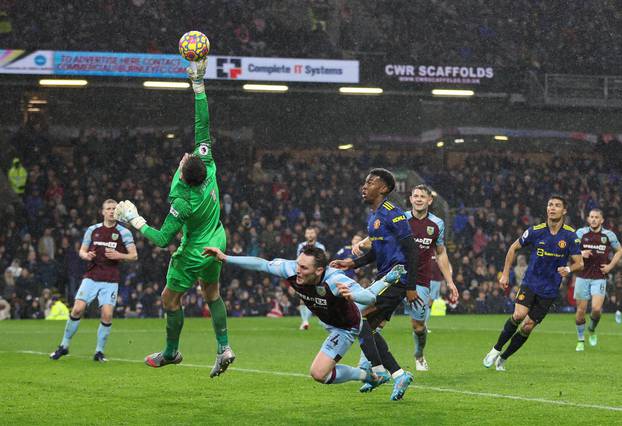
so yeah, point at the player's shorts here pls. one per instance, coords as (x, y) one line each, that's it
(538, 306)
(435, 290)
(386, 303)
(338, 342)
(584, 288)
(185, 269)
(105, 292)
(419, 312)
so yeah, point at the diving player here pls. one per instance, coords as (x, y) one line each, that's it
(596, 245)
(330, 295)
(552, 245)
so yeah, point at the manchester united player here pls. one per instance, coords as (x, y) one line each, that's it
(552, 245)
(429, 233)
(104, 245)
(596, 246)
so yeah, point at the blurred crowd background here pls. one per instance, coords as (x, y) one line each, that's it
(267, 201)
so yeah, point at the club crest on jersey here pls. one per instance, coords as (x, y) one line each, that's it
(377, 224)
(203, 149)
(521, 296)
(603, 240)
(114, 237)
(321, 291)
(562, 244)
(430, 230)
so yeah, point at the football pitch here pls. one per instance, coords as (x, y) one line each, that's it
(547, 382)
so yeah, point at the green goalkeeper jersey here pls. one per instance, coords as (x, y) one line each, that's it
(195, 209)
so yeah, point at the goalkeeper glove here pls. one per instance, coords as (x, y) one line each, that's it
(126, 212)
(197, 75)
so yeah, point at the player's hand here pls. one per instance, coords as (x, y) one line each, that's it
(504, 280)
(586, 253)
(563, 271)
(196, 74)
(342, 264)
(130, 214)
(605, 269)
(453, 292)
(112, 254)
(215, 252)
(90, 255)
(344, 291)
(357, 250)
(119, 212)
(413, 298)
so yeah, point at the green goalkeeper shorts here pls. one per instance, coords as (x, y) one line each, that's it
(186, 268)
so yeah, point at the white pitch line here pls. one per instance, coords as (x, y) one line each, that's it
(428, 388)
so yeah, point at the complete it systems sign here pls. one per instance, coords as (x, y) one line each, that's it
(285, 69)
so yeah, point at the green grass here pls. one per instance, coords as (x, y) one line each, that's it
(553, 384)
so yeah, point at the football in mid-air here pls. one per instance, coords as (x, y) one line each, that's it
(194, 46)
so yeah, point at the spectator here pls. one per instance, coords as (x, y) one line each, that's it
(5, 309)
(17, 177)
(58, 310)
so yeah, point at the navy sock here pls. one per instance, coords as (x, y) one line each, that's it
(506, 334)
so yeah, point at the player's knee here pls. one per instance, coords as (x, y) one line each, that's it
(77, 311)
(211, 292)
(106, 317)
(319, 375)
(528, 326)
(418, 326)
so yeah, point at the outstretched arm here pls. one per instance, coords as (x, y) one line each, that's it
(178, 214)
(202, 139)
(280, 267)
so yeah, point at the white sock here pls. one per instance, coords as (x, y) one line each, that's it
(397, 374)
(378, 369)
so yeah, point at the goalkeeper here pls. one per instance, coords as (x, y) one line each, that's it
(195, 209)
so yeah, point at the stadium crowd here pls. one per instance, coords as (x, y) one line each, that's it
(559, 36)
(266, 205)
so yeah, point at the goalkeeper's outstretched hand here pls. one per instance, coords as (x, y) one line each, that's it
(126, 212)
(197, 74)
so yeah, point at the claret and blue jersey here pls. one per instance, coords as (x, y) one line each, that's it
(548, 252)
(386, 226)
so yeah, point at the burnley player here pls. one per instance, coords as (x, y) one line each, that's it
(552, 245)
(195, 210)
(596, 245)
(392, 244)
(429, 233)
(311, 240)
(104, 245)
(330, 295)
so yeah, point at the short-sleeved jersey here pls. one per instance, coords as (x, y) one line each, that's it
(323, 299)
(304, 243)
(386, 226)
(600, 244)
(346, 253)
(548, 252)
(98, 238)
(195, 208)
(428, 232)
